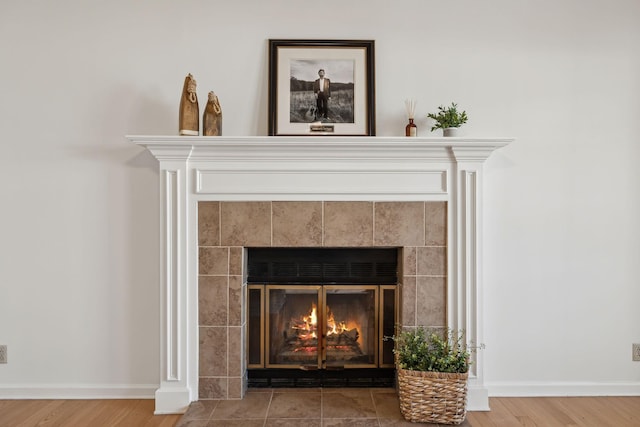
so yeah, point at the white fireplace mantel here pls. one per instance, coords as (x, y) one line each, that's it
(310, 168)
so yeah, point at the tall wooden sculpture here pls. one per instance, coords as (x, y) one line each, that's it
(189, 112)
(212, 117)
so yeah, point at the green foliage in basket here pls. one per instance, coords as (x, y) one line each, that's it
(432, 350)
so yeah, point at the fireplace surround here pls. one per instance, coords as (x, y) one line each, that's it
(208, 182)
(417, 229)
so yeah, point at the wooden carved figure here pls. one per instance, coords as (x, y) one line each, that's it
(212, 117)
(189, 111)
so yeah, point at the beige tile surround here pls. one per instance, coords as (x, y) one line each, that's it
(226, 228)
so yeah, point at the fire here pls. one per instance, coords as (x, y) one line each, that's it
(341, 340)
(309, 324)
(312, 318)
(307, 327)
(334, 327)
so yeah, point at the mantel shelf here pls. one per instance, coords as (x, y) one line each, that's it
(314, 140)
(315, 147)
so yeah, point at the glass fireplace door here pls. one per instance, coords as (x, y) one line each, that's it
(350, 327)
(314, 326)
(293, 322)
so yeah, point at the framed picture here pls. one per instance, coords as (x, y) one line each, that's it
(321, 87)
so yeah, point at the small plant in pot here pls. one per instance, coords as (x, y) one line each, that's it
(449, 119)
(433, 368)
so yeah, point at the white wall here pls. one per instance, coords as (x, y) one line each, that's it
(79, 228)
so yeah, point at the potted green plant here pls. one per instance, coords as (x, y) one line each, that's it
(449, 119)
(433, 368)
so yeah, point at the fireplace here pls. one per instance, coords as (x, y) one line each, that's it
(220, 196)
(321, 309)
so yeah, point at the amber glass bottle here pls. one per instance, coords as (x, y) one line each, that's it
(411, 129)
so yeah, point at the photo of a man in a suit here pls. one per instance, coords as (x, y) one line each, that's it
(313, 97)
(322, 91)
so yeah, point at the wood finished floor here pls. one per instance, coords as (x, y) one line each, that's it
(81, 413)
(337, 408)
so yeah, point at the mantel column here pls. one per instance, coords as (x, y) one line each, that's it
(466, 312)
(175, 391)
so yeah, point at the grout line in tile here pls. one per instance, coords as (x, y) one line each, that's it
(373, 223)
(266, 414)
(322, 224)
(375, 407)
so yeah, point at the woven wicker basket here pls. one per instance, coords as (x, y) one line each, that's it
(432, 397)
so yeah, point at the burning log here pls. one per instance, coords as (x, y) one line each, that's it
(301, 345)
(351, 335)
(344, 343)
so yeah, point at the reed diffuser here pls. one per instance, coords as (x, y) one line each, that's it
(411, 129)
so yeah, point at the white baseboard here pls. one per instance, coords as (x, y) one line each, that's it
(541, 389)
(176, 401)
(75, 391)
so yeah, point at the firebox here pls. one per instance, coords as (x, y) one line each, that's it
(320, 316)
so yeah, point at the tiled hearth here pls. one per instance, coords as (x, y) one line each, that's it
(423, 195)
(225, 228)
(313, 407)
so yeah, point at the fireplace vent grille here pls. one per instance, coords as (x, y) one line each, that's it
(323, 265)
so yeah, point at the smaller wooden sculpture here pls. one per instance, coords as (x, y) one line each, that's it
(189, 111)
(212, 117)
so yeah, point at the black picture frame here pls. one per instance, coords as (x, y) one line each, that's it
(350, 67)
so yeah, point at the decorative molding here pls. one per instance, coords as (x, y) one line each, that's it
(365, 184)
(267, 148)
(196, 168)
(172, 271)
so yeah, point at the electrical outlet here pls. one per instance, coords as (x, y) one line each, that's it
(636, 353)
(3, 354)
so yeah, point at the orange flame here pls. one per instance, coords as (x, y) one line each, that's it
(308, 326)
(334, 327)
